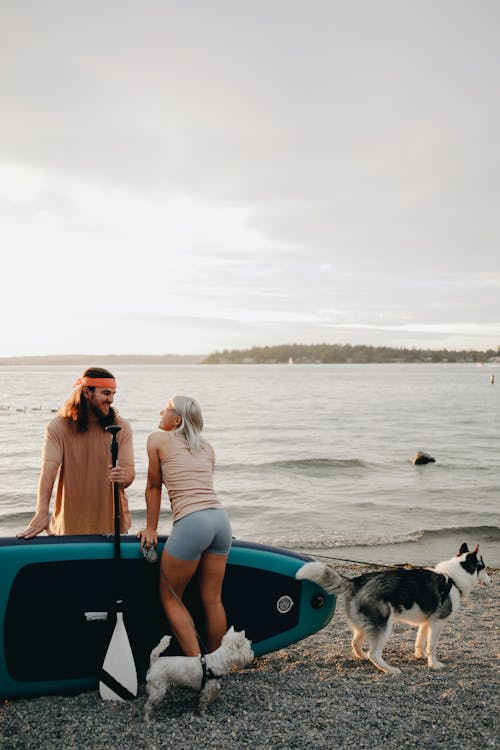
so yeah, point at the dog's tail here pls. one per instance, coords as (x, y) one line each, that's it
(329, 580)
(163, 644)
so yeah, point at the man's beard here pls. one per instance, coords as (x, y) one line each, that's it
(104, 420)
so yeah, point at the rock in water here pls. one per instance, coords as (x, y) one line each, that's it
(422, 458)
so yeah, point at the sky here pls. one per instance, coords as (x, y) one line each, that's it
(191, 176)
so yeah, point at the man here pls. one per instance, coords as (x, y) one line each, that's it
(77, 445)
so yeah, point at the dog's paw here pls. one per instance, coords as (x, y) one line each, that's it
(360, 654)
(207, 696)
(418, 653)
(436, 665)
(394, 671)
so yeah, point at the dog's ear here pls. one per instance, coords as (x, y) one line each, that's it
(231, 629)
(463, 549)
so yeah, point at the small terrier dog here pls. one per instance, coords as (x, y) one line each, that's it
(420, 596)
(195, 672)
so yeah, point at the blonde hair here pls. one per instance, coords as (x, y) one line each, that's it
(189, 410)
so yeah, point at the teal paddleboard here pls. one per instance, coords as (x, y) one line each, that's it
(57, 607)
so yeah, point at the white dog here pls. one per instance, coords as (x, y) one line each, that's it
(195, 672)
(420, 596)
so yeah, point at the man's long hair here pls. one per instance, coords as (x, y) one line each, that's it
(76, 407)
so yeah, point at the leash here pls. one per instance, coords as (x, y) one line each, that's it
(407, 565)
(370, 564)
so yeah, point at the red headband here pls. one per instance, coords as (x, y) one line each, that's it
(97, 382)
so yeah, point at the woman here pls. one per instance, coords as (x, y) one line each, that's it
(183, 461)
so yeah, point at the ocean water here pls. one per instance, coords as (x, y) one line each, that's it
(310, 457)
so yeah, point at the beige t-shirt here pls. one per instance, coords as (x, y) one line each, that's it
(84, 497)
(188, 477)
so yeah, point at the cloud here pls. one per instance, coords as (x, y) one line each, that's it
(318, 171)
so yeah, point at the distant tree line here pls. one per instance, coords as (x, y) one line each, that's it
(344, 354)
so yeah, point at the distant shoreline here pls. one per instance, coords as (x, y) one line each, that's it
(90, 359)
(290, 354)
(190, 359)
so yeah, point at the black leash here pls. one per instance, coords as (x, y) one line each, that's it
(370, 564)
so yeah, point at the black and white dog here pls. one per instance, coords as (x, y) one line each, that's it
(419, 596)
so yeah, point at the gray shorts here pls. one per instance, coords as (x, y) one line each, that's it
(206, 530)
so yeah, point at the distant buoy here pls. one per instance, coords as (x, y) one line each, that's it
(492, 379)
(422, 458)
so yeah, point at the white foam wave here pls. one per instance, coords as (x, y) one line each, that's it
(333, 541)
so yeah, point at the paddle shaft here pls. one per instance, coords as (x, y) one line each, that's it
(118, 674)
(114, 429)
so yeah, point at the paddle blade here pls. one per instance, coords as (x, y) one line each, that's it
(118, 680)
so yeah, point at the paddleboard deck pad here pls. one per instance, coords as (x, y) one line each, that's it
(57, 607)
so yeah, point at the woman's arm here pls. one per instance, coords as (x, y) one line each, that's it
(149, 535)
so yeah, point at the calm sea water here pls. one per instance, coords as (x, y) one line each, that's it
(310, 457)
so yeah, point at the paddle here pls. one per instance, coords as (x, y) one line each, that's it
(118, 679)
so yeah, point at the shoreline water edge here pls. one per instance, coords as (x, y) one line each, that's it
(312, 694)
(423, 548)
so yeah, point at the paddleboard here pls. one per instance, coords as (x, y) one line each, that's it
(57, 607)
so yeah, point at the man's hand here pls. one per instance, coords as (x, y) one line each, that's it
(39, 523)
(117, 475)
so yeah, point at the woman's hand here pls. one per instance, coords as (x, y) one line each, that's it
(148, 537)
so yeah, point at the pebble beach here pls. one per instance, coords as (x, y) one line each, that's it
(313, 694)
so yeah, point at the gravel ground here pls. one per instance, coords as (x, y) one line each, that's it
(310, 695)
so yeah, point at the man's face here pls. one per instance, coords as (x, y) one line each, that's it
(99, 400)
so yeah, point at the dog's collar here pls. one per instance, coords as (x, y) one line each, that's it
(206, 673)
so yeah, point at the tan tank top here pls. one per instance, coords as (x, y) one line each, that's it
(188, 477)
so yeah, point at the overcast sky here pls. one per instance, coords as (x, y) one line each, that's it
(197, 175)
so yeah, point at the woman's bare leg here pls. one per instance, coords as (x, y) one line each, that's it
(175, 575)
(211, 575)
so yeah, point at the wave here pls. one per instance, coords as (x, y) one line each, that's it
(321, 541)
(337, 541)
(301, 465)
(420, 546)
(487, 533)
